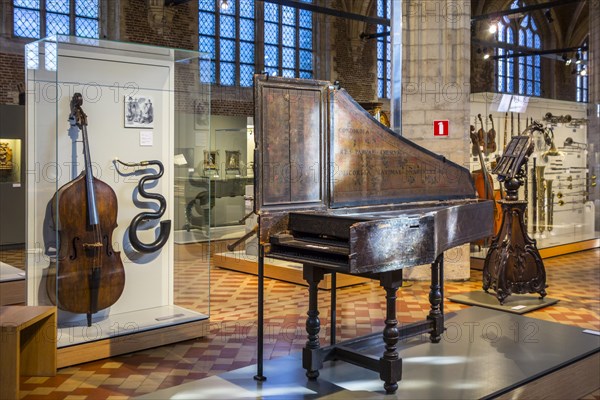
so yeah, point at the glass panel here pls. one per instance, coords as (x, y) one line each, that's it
(525, 21)
(288, 58)
(227, 26)
(206, 23)
(537, 43)
(229, 10)
(227, 74)
(305, 39)
(86, 27)
(305, 19)
(207, 45)
(57, 24)
(521, 38)
(271, 12)
(380, 69)
(380, 88)
(529, 38)
(227, 50)
(26, 23)
(380, 53)
(388, 69)
(305, 60)
(207, 5)
(271, 33)
(247, 8)
(538, 89)
(207, 71)
(288, 36)
(380, 10)
(86, 8)
(288, 15)
(247, 29)
(305, 75)
(247, 52)
(272, 71)
(27, 3)
(509, 36)
(288, 73)
(246, 74)
(58, 6)
(271, 56)
(500, 35)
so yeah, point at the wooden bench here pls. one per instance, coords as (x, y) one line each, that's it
(27, 345)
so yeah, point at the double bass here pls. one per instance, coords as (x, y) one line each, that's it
(88, 274)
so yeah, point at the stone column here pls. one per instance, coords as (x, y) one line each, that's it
(594, 103)
(436, 37)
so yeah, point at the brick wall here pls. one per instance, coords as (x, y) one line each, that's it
(149, 22)
(12, 72)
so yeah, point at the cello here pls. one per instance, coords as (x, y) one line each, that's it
(485, 190)
(88, 275)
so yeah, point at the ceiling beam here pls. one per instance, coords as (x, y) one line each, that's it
(498, 14)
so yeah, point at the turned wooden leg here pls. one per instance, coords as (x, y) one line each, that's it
(311, 357)
(391, 363)
(436, 299)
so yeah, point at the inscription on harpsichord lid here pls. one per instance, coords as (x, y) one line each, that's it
(370, 161)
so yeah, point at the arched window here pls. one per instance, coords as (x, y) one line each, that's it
(41, 18)
(288, 41)
(526, 70)
(384, 63)
(582, 78)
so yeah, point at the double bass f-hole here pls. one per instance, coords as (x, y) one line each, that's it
(165, 226)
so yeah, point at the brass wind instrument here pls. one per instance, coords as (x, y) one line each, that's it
(550, 204)
(540, 199)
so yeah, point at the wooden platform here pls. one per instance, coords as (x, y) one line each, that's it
(277, 269)
(114, 346)
(12, 285)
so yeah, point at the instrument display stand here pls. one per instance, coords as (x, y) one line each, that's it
(513, 263)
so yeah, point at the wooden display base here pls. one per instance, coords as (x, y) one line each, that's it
(12, 292)
(276, 269)
(118, 345)
(477, 262)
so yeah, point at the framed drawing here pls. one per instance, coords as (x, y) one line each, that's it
(211, 162)
(139, 112)
(232, 162)
(201, 116)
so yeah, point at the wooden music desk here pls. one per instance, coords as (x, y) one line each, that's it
(27, 345)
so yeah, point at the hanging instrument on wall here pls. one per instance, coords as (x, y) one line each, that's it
(541, 187)
(474, 144)
(491, 138)
(481, 135)
(550, 204)
(165, 226)
(484, 186)
(505, 141)
(533, 197)
(88, 275)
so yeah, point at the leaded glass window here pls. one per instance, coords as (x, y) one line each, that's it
(288, 35)
(384, 63)
(40, 18)
(582, 77)
(526, 70)
(227, 35)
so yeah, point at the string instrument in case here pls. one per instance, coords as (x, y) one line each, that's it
(88, 275)
(490, 146)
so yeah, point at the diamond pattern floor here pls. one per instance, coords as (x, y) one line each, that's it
(574, 279)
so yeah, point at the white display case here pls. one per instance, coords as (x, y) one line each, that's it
(108, 276)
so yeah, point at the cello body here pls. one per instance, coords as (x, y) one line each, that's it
(87, 275)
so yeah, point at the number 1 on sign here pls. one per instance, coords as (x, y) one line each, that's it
(440, 128)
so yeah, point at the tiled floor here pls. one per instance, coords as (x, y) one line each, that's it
(573, 279)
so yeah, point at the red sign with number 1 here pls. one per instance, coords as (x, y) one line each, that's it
(441, 128)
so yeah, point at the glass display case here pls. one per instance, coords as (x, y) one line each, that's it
(110, 133)
(559, 216)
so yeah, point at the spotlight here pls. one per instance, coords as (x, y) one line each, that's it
(493, 28)
(224, 5)
(578, 58)
(583, 71)
(486, 54)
